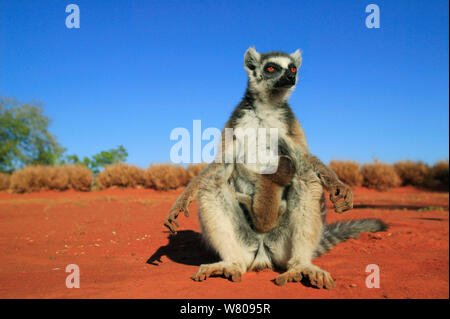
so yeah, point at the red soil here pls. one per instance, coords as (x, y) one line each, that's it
(117, 239)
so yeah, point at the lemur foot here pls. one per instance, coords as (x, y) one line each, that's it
(317, 277)
(229, 270)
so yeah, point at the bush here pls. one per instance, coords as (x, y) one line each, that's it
(166, 176)
(348, 172)
(439, 175)
(413, 173)
(4, 181)
(157, 176)
(29, 179)
(120, 175)
(80, 177)
(36, 178)
(380, 176)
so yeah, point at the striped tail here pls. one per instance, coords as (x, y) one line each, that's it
(339, 232)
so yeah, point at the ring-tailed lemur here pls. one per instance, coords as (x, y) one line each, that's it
(300, 234)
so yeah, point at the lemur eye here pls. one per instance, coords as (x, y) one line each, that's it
(270, 68)
(293, 69)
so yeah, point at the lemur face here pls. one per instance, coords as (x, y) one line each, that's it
(272, 72)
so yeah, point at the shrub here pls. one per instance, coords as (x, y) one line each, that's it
(439, 175)
(166, 176)
(120, 175)
(29, 179)
(413, 173)
(80, 177)
(4, 181)
(58, 177)
(348, 172)
(380, 176)
(38, 177)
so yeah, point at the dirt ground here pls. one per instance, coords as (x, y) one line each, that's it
(117, 239)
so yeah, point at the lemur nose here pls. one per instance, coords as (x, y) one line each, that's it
(291, 76)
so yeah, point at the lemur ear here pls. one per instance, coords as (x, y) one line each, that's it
(251, 58)
(297, 56)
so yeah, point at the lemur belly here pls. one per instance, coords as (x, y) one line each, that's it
(261, 117)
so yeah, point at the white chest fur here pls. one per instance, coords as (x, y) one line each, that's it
(262, 117)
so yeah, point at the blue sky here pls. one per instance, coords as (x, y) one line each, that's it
(135, 70)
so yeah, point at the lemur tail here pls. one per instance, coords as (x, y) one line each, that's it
(338, 232)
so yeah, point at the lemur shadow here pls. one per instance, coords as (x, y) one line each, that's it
(186, 247)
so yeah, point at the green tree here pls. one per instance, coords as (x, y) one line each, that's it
(24, 136)
(100, 160)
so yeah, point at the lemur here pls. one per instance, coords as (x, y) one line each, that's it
(267, 204)
(300, 233)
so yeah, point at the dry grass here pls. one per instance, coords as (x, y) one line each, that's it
(80, 177)
(380, 176)
(4, 181)
(158, 176)
(29, 179)
(348, 172)
(37, 177)
(166, 176)
(120, 175)
(439, 175)
(413, 173)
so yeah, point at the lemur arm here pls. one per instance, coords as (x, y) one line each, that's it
(337, 189)
(190, 193)
(328, 178)
(188, 196)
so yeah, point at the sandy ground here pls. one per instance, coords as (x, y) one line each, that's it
(117, 239)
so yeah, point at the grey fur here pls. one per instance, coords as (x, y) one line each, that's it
(341, 231)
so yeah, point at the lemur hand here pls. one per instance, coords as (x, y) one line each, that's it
(342, 197)
(181, 205)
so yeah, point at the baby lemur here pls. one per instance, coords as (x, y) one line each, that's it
(267, 204)
(293, 236)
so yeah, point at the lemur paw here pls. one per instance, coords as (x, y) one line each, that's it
(181, 205)
(228, 270)
(342, 197)
(317, 277)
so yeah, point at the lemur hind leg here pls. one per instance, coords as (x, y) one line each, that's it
(306, 214)
(221, 220)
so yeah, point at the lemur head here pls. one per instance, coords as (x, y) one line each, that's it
(272, 76)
